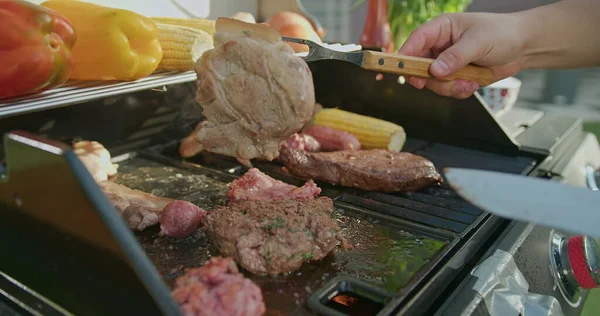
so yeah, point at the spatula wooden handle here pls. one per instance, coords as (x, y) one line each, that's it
(419, 67)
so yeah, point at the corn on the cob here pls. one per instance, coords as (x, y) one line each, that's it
(207, 26)
(370, 131)
(182, 46)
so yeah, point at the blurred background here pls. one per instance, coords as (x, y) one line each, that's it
(574, 92)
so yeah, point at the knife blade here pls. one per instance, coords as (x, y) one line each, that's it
(539, 201)
(393, 63)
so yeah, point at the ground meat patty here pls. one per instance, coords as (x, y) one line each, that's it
(218, 289)
(255, 185)
(371, 170)
(274, 236)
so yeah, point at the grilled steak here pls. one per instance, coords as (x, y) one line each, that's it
(273, 237)
(254, 91)
(255, 185)
(218, 289)
(372, 170)
(179, 219)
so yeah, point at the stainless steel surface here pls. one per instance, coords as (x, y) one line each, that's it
(24, 295)
(74, 92)
(81, 91)
(529, 199)
(517, 120)
(562, 270)
(592, 175)
(319, 52)
(532, 248)
(585, 153)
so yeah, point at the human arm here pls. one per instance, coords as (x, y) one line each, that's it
(562, 35)
(558, 35)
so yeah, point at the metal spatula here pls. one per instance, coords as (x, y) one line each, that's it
(393, 63)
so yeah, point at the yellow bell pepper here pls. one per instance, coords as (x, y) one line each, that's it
(112, 44)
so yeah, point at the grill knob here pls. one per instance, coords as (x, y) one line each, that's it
(584, 255)
(575, 263)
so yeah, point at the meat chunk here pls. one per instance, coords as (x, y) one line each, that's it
(254, 91)
(139, 209)
(274, 236)
(255, 185)
(218, 289)
(179, 219)
(372, 170)
(303, 142)
(142, 210)
(332, 139)
(96, 159)
(189, 146)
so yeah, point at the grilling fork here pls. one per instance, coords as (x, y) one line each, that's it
(393, 63)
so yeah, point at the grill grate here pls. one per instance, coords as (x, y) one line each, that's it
(82, 91)
(444, 156)
(383, 243)
(437, 207)
(440, 207)
(426, 216)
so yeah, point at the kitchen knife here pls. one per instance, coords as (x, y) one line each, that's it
(393, 63)
(544, 202)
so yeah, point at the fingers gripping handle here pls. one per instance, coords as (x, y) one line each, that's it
(419, 67)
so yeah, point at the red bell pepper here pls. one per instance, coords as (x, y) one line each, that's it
(35, 48)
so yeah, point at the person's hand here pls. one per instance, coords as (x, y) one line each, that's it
(455, 40)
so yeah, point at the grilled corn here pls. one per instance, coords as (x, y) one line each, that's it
(182, 46)
(207, 26)
(370, 131)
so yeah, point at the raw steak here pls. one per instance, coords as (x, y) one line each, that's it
(276, 236)
(254, 91)
(371, 170)
(255, 185)
(218, 289)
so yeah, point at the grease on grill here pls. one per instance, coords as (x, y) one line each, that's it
(174, 183)
(382, 254)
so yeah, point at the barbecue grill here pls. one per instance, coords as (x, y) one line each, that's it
(66, 251)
